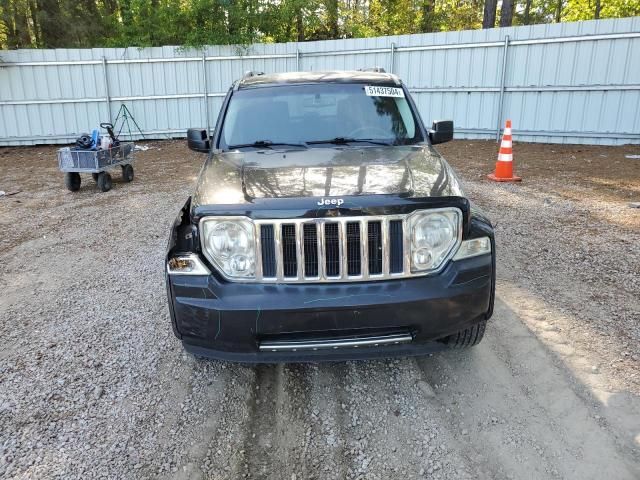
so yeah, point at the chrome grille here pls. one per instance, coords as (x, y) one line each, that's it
(332, 249)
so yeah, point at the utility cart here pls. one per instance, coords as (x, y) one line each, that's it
(95, 160)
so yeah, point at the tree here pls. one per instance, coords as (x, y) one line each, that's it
(489, 16)
(53, 26)
(427, 22)
(558, 11)
(332, 18)
(506, 13)
(140, 23)
(527, 13)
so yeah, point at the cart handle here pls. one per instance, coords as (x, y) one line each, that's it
(109, 128)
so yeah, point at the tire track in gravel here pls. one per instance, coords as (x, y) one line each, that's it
(294, 423)
(224, 457)
(274, 441)
(264, 405)
(517, 409)
(326, 433)
(192, 416)
(394, 431)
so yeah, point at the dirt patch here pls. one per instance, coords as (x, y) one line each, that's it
(94, 385)
(605, 173)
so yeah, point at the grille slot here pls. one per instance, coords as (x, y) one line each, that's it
(289, 261)
(268, 251)
(396, 247)
(354, 261)
(310, 233)
(332, 249)
(374, 241)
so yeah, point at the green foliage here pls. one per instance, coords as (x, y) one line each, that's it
(585, 9)
(458, 15)
(194, 23)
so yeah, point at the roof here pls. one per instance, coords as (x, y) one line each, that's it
(290, 78)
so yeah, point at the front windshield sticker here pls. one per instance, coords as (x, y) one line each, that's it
(377, 91)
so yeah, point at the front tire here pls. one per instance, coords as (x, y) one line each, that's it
(466, 338)
(72, 181)
(104, 182)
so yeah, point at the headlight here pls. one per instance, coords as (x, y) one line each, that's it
(230, 245)
(434, 235)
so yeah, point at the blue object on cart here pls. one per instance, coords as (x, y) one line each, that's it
(95, 137)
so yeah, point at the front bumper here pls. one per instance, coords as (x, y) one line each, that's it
(232, 321)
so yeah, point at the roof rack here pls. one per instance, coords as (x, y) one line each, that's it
(251, 73)
(373, 69)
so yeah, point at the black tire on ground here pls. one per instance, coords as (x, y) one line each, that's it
(127, 173)
(466, 338)
(95, 176)
(104, 181)
(72, 181)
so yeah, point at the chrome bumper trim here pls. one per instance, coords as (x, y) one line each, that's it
(295, 345)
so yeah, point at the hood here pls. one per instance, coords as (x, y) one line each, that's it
(249, 177)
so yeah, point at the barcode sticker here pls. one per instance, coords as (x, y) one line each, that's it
(380, 91)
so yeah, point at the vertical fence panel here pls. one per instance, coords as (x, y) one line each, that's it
(566, 83)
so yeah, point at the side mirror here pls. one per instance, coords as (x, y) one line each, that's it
(441, 131)
(198, 140)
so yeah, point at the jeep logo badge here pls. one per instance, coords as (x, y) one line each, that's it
(333, 201)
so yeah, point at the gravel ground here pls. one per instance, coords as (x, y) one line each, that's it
(94, 385)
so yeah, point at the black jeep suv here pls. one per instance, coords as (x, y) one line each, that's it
(324, 225)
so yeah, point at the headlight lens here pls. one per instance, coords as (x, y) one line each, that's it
(433, 236)
(230, 245)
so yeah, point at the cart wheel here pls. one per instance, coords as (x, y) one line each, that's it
(127, 173)
(104, 181)
(95, 176)
(72, 181)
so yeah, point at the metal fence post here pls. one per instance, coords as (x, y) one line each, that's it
(392, 55)
(106, 88)
(205, 90)
(297, 59)
(502, 80)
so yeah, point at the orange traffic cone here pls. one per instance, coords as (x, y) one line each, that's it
(504, 165)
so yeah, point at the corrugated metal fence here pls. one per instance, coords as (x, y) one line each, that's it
(565, 83)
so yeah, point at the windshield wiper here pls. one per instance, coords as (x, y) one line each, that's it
(346, 140)
(265, 144)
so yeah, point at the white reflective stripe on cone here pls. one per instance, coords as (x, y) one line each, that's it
(505, 157)
(507, 131)
(507, 144)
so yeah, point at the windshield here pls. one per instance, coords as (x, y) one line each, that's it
(313, 115)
